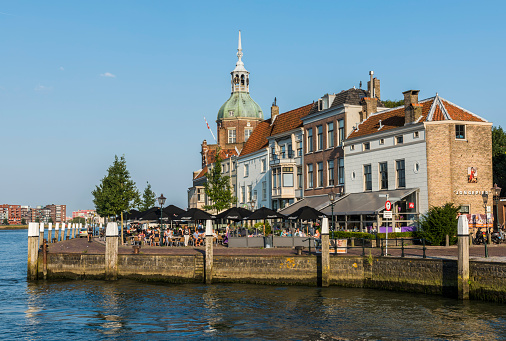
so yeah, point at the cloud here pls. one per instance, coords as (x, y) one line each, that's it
(61, 68)
(107, 74)
(43, 88)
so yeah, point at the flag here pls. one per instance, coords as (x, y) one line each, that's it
(208, 127)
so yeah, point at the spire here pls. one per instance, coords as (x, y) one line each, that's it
(240, 76)
(239, 48)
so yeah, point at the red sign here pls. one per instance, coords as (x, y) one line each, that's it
(388, 205)
(411, 205)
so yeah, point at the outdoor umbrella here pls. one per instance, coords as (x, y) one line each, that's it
(235, 214)
(264, 213)
(195, 214)
(172, 211)
(133, 214)
(151, 214)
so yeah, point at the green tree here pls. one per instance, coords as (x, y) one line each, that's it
(439, 222)
(50, 220)
(23, 221)
(6, 222)
(78, 220)
(499, 157)
(392, 104)
(117, 192)
(217, 188)
(148, 199)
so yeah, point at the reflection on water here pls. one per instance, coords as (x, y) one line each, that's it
(126, 310)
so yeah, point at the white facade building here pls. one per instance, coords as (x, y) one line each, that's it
(253, 180)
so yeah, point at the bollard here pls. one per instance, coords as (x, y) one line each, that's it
(402, 247)
(49, 232)
(381, 246)
(325, 257)
(63, 232)
(352, 241)
(208, 270)
(463, 258)
(33, 250)
(424, 248)
(447, 240)
(41, 234)
(363, 247)
(57, 232)
(470, 239)
(111, 252)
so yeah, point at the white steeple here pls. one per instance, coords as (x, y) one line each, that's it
(240, 76)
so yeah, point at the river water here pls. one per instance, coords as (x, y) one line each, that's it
(128, 310)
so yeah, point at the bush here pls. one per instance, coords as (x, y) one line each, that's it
(439, 222)
(344, 235)
(394, 235)
(260, 227)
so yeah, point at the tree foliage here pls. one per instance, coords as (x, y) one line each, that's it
(499, 157)
(439, 222)
(148, 199)
(392, 104)
(78, 220)
(217, 188)
(116, 192)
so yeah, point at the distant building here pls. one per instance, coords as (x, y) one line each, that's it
(57, 213)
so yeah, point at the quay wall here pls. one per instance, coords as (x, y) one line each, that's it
(431, 276)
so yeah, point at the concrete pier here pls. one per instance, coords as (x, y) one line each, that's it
(325, 258)
(463, 258)
(33, 250)
(208, 269)
(111, 251)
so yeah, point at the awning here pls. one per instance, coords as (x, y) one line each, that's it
(365, 203)
(317, 202)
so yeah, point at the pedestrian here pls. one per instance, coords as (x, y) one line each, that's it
(186, 234)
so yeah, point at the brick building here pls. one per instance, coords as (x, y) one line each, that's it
(57, 213)
(12, 213)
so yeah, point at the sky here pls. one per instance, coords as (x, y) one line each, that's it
(83, 81)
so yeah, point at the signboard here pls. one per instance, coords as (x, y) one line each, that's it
(340, 246)
(387, 214)
(411, 205)
(388, 205)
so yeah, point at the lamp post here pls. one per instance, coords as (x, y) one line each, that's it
(332, 198)
(161, 201)
(484, 196)
(496, 192)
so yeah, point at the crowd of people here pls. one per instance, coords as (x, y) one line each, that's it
(171, 236)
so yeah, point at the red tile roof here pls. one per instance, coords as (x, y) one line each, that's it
(224, 154)
(433, 109)
(202, 173)
(283, 122)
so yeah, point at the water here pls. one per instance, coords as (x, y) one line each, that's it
(127, 310)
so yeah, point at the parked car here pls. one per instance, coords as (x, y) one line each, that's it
(83, 232)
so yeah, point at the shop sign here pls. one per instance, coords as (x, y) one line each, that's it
(469, 192)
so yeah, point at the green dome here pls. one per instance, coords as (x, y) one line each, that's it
(240, 104)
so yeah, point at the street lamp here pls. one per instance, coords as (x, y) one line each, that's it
(161, 201)
(496, 192)
(332, 198)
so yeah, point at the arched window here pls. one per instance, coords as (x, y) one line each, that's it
(242, 79)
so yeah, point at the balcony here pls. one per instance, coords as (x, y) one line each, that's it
(283, 192)
(284, 158)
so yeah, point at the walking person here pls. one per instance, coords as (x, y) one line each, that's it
(186, 234)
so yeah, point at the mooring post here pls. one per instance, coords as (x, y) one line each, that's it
(49, 232)
(463, 259)
(63, 232)
(111, 252)
(41, 234)
(73, 235)
(208, 269)
(325, 252)
(33, 250)
(57, 232)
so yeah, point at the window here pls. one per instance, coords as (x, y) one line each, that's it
(273, 151)
(340, 172)
(383, 168)
(200, 194)
(299, 148)
(275, 183)
(310, 140)
(310, 175)
(399, 139)
(367, 178)
(231, 136)
(330, 167)
(319, 138)
(249, 193)
(382, 141)
(299, 177)
(290, 151)
(263, 165)
(366, 146)
(319, 175)
(341, 132)
(287, 176)
(460, 132)
(264, 190)
(283, 151)
(401, 173)
(416, 135)
(330, 135)
(247, 133)
(235, 190)
(352, 147)
(246, 170)
(416, 167)
(243, 194)
(464, 209)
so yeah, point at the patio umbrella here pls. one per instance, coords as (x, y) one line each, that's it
(172, 212)
(195, 214)
(235, 214)
(133, 214)
(306, 213)
(151, 214)
(264, 213)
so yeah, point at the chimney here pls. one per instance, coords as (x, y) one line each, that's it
(410, 97)
(274, 110)
(204, 150)
(222, 136)
(412, 113)
(369, 107)
(370, 85)
(376, 93)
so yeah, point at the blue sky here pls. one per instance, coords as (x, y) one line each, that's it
(83, 81)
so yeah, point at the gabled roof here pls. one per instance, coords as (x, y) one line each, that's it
(433, 109)
(351, 96)
(283, 122)
(202, 173)
(224, 154)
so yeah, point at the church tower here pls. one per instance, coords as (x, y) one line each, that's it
(240, 114)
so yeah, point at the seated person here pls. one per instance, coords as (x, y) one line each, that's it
(196, 238)
(317, 234)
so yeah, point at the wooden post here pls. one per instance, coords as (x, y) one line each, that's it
(49, 232)
(463, 258)
(208, 269)
(57, 232)
(447, 240)
(325, 259)
(63, 231)
(33, 251)
(41, 234)
(111, 252)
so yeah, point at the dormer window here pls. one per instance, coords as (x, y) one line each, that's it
(231, 113)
